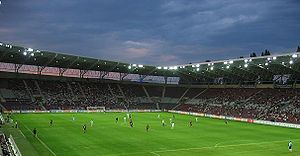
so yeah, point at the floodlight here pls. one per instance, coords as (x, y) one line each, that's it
(30, 49)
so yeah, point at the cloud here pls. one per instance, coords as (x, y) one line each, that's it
(229, 21)
(153, 32)
(135, 43)
(137, 52)
(168, 58)
(6, 30)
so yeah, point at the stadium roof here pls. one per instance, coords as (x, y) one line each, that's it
(234, 70)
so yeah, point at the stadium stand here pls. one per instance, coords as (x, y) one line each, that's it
(265, 88)
(260, 103)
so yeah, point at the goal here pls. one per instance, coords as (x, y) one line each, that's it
(96, 108)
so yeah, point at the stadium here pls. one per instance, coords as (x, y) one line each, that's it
(111, 78)
(207, 101)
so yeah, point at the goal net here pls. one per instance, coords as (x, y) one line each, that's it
(96, 108)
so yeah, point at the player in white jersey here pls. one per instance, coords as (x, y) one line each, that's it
(172, 125)
(92, 123)
(290, 145)
(196, 119)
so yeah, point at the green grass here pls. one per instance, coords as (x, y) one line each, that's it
(206, 137)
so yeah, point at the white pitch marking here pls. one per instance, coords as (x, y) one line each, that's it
(217, 144)
(41, 141)
(234, 145)
(22, 133)
(155, 153)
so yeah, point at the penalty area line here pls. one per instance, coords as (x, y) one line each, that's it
(155, 153)
(40, 141)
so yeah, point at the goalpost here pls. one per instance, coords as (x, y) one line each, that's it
(96, 108)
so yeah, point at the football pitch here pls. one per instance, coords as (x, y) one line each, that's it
(106, 137)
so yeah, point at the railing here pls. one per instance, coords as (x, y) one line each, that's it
(1, 119)
(14, 146)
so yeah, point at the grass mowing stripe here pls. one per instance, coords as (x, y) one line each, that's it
(40, 140)
(234, 145)
(106, 137)
(198, 148)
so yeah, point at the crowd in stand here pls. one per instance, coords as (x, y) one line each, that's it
(281, 105)
(266, 104)
(5, 147)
